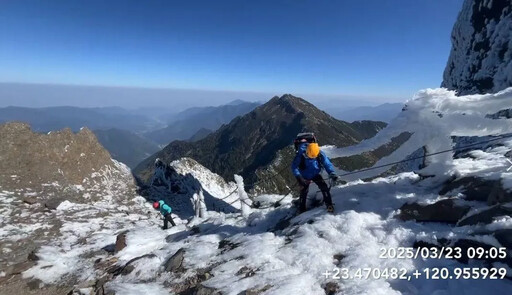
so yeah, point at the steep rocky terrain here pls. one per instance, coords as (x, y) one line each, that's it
(252, 142)
(30, 159)
(179, 183)
(455, 199)
(55, 186)
(481, 57)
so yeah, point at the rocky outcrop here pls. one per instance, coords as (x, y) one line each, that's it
(481, 57)
(248, 145)
(63, 157)
(446, 211)
(487, 216)
(185, 184)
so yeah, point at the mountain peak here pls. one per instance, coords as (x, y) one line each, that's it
(251, 142)
(292, 104)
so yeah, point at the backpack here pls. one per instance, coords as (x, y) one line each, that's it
(301, 138)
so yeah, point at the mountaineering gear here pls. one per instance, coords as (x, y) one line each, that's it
(168, 218)
(307, 167)
(165, 210)
(303, 138)
(333, 176)
(323, 188)
(312, 150)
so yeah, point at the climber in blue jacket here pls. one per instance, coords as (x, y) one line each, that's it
(306, 167)
(165, 210)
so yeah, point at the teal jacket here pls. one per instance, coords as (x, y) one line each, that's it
(164, 208)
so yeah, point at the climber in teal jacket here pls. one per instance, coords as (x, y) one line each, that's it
(306, 168)
(165, 210)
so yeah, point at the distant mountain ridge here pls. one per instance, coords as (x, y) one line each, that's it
(384, 112)
(253, 141)
(184, 125)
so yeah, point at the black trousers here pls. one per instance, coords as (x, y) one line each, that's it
(318, 180)
(168, 218)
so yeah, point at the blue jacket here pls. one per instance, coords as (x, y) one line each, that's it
(312, 167)
(164, 208)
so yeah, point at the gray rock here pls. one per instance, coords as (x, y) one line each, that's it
(499, 195)
(331, 288)
(442, 211)
(202, 290)
(473, 188)
(34, 284)
(18, 268)
(52, 204)
(174, 263)
(32, 256)
(127, 269)
(486, 216)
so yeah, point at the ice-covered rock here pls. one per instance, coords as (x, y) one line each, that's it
(481, 57)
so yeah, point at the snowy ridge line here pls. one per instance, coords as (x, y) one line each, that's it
(428, 155)
(371, 168)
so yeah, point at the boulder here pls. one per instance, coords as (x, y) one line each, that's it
(442, 211)
(486, 216)
(473, 188)
(174, 263)
(32, 256)
(499, 195)
(52, 204)
(226, 245)
(331, 288)
(202, 290)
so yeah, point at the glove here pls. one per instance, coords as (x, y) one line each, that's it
(333, 176)
(302, 181)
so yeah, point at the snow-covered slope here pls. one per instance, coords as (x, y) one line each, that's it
(435, 117)
(481, 57)
(182, 181)
(275, 251)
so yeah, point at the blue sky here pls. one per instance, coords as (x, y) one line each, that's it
(381, 48)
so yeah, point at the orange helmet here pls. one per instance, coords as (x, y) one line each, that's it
(156, 205)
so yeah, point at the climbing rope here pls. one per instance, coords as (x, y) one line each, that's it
(359, 171)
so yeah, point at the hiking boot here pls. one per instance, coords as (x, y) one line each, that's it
(330, 208)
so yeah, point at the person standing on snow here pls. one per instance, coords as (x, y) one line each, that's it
(165, 210)
(306, 167)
